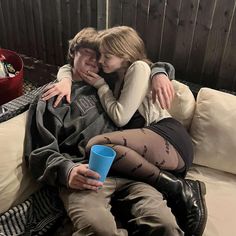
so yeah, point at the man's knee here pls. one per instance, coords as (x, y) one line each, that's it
(98, 221)
(168, 226)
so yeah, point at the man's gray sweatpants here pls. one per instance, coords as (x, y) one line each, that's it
(143, 210)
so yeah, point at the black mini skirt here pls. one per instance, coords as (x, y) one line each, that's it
(175, 133)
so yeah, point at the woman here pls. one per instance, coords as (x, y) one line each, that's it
(153, 147)
(146, 154)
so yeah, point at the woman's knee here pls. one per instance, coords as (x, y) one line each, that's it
(98, 139)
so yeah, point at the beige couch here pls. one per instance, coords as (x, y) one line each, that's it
(211, 124)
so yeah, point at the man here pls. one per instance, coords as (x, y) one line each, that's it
(54, 150)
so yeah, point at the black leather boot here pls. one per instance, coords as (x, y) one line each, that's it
(185, 197)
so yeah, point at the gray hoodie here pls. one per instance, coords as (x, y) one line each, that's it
(56, 137)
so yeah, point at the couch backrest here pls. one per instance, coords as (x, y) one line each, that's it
(213, 130)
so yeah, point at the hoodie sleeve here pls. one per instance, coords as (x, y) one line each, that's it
(163, 67)
(64, 72)
(41, 149)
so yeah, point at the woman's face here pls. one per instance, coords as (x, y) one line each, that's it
(110, 63)
(86, 60)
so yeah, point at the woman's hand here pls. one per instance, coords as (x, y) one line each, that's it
(162, 90)
(61, 89)
(90, 77)
(83, 178)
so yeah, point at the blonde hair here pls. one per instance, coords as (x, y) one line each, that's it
(124, 42)
(86, 38)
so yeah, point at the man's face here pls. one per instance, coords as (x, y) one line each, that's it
(86, 60)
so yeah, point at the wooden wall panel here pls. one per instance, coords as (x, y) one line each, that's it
(66, 24)
(22, 28)
(200, 39)
(170, 30)
(142, 11)
(129, 9)
(115, 14)
(39, 30)
(157, 9)
(197, 36)
(184, 40)
(227, 70)
(48, 25)
(8, 24)
(3, 38)
(191, 34)
(30, 27)
(15, 23)
(217, 41)
(101, 14)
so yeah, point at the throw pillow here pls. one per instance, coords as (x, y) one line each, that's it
(213, 130)
(183, 105)
(16, 184)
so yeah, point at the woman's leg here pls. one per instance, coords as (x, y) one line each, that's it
(141, 153)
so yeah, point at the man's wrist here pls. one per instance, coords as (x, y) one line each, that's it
(163, 67)
(64, 171)
(158, 73)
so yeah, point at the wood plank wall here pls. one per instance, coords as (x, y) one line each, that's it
(197, 36)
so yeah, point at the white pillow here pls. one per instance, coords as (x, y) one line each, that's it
(213, 130)
(183, 105)
(16, 183)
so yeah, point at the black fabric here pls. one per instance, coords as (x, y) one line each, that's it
(173, 131)
(137, 121)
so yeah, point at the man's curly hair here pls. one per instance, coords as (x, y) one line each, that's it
(86, 38)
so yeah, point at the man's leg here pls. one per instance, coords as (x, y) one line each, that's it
(90, 210)
(148, 212)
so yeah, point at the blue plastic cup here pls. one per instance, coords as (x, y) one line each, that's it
(100, 160)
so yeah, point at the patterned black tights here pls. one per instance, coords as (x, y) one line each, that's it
(141, 153)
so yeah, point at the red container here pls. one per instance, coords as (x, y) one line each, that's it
(11, 88)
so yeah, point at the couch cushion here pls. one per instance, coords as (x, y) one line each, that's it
(220, 200)
(15, 182)
(213, 130)
(183, 105)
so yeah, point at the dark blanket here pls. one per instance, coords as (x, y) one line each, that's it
(40, 214)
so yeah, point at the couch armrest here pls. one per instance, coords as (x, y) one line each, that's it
(20, 104)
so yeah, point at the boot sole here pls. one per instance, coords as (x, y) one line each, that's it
(202, 224)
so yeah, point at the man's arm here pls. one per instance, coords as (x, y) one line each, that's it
(43, 157)
(162, 89)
